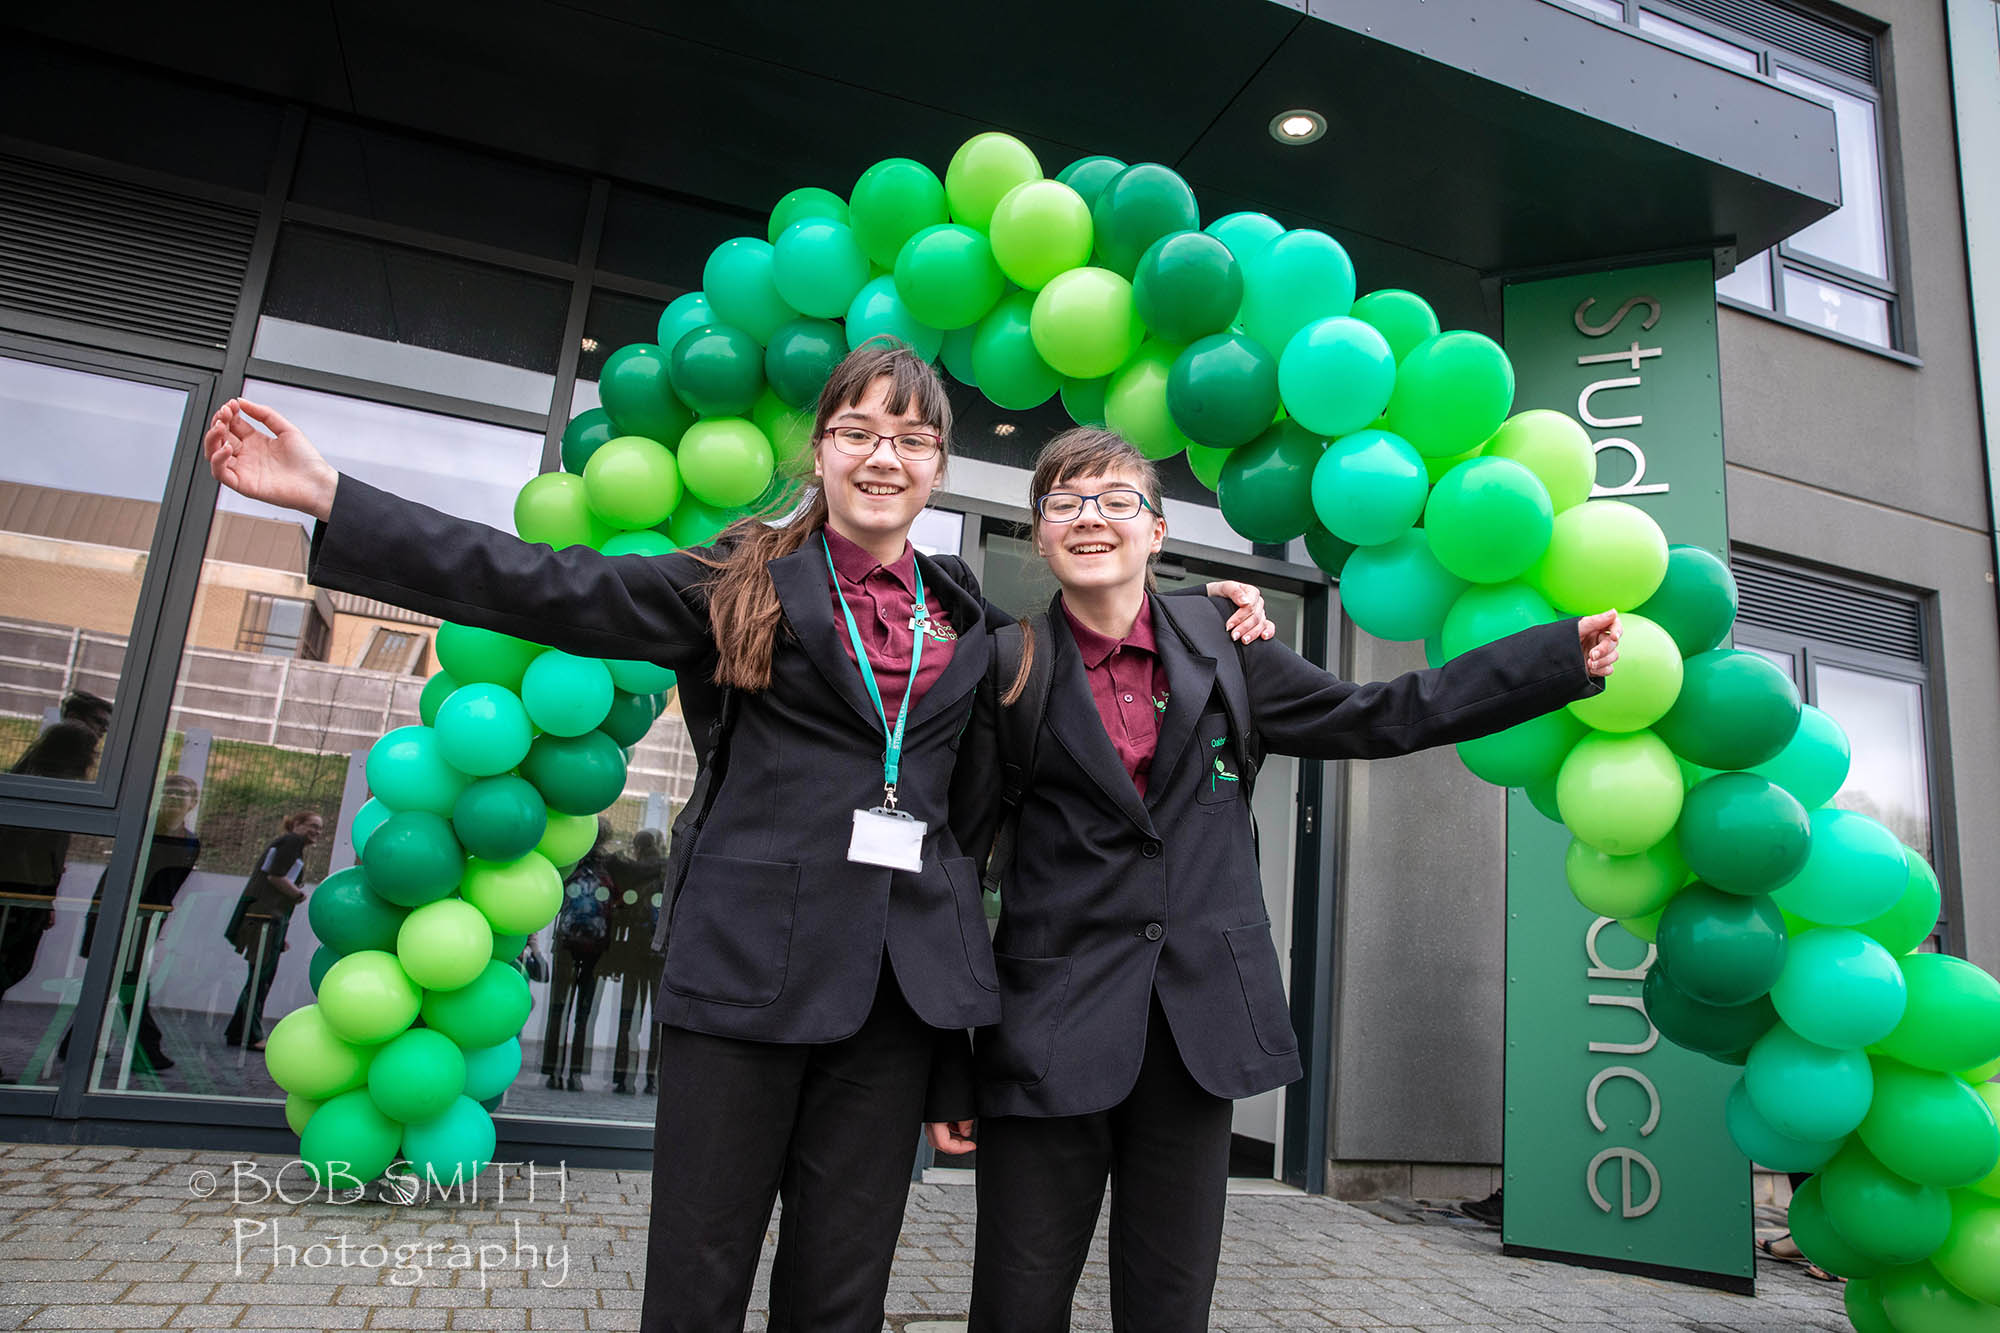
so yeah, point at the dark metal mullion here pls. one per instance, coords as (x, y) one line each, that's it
(573, 325)
(395, 395)
(413, 238)
(1302, 1155)
(629, 286)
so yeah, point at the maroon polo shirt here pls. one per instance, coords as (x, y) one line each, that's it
(881, 597)
(1129, 686)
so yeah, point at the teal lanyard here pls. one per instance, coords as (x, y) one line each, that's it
(892, 754)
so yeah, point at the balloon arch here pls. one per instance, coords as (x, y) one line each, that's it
(1697, 787)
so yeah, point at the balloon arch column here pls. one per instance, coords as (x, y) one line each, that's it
(1696, 786)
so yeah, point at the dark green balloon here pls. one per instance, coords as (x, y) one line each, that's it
(1089, 175)
(1696, 602)
(576, 775)
(1139, 205)
(1223, 391)
(801, 355)
(347, 916)
(639, 395)
(630, 718)
(1743, 833)
(322, 959)
(718, 371)
(500, 818)
(436, 690)
(1187, 286)
(1266, 486)
(1711, 1029)
(1721, 948)
(582, 436)
(413, 859)
(1327, 551)
(1735, 710)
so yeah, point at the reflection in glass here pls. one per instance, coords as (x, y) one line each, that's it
(48, 879)
(83, 463)
(1839, 308)
(1889, 777)
(1750, 283)
(1853, 235)
(1724, 53)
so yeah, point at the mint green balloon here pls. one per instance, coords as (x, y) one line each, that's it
(1855, 871)
(1293, 280)
(1089, 175)
(1813, 765)
(443, 945)
(414, 858)
(983, 171)
(1265, 492)
(1487, 612)
(633, 482)
(1336, 375)
(740, 281)
(1245, 233)
(893, 201)
(1403, 318)
(417, 1076)
(683, 315)
(1621, 794)
(1085, 324)
(1622, 887)
(726, 461)
(1005, 364)
(947, 276)
(305, 1056)
(955, 354)
(1453, 391)
(482, 656)
(483, 730)
(1531, 751)
(1765, 1145)
(491, 1070)
(486, 1011)
(1806, 1091)
(879, 311)
(647, 542)
(1556, 448)
(1841, 990)
(1644, 686)
(1039, 229)
(566, 695)
(1369, 488)
(1489, 520)
(407, 770)
(818, 266)
(455, 1146)
(1397, 589)
(348, 1142)
(808, 201)
(373, 814)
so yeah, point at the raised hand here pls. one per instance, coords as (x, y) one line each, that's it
(278, 466)
(1599, 636)
(1249, 622)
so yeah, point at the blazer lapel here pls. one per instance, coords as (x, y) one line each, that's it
(1190, 680)
(807, 597)
(969, 654)
(1074, 721)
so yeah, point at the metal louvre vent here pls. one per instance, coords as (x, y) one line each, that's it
(1817, 608)
(1793, 30)
(100, 251)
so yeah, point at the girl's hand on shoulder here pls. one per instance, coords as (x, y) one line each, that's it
(1249, 623)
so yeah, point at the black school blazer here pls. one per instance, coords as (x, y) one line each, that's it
(776, 935)
(1110, 898)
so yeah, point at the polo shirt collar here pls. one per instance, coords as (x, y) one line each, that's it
(854, 564)
(1095, 647)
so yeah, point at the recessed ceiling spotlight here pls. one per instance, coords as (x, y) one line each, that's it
(590, 344)
(1297, 127)
(1003, 428)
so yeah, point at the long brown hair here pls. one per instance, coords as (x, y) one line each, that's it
(1085, 451)
(743, 608)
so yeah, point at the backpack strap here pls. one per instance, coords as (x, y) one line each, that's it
(687, 825)
(1020, 726)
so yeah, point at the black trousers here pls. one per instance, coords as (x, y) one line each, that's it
(1165, 1149)
(571, 975)
(831, 1130)
(267, 942)
(636, 996)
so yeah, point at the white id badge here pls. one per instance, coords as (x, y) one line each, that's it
(887, 838)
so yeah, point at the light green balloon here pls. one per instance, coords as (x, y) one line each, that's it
(299, 1110)
(367, 998)
(1085, 324)
(568, 838)
(1135, 404)
(1601, 555)
(517, 897)
(632, 482)
(1624, 886)
(1555, 447)
(304, 1055)
(1404, 318)
(1969, 1259)
(726, 461)
(983, 171)
(788, 429)
(566, 695)
(1620, 794)
(443, 945)
(1642, 687)
(1039, 229)
(554, 508)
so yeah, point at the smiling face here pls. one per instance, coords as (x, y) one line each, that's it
(1093, 552)
(873, 499)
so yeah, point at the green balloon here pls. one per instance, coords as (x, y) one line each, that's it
(1929, 1127)
(486, 1011)
(627, 721)
(500, 818)
(1089, 175)
(578, 775)
(1855, 871)
(1398, 590)
(1820, 1241)
(455, 1146)
(1711, 1029)
(372, 814)
(1040, 228)
(1742, 833)
(718, 371)
(947, 276)
(1813, 765)
(1336, 375)
(347, 916)
(639, 677)
(1722, 948)
(299, 1110)
(413, 859)
(801, 356)
(1531, 751)
(1135, 402)
(1622, 794)
(517, 897)
(1601, 555)
(367, 998)
(407, 771)
(646, 542)
(1623, 887)
(695, 522)
(1953, 1018)
(566, 695)
(1489, 520)
(639, 396)
(684, 314)
(1487, 612)
(1884, 1217)
(554, 508)
(1763, 1144)
(982, 172)
(879, 311)
(1005, 364)
(956, 355)
(472, 656)
(817, 265)
(1369, 488)
(483, 729)
(1266, 489)
(304, 1055)
(1806, 1091)
(893, 201)
(797, 205)
(586, 431)
(1084, 323)
(1542, 795)
(1453, 392)
(1840, 990)
(632, 482)
(1137, 207)
(1735, 710)
(348, 1142)
(1555, 448)
(790, 432)
(443, 945)
(1918, 1299)
(1644, 686)
(1696, 600)
(1405, 320)
(436, 690)
(1291, 281)
(1187, 286)
(568, 838)
(740, 281)
(1861, 1297)
(726, 461)
(1970, 1257)
(417, 1076)
(491, 1070)
(1331, 554)
(1223, 391)
(1206, 464)
(507, 948)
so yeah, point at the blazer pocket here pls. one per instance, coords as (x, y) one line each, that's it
(1033, 992)
(1221, 778)
(1263, 987)
(963, 875)
(731, 940)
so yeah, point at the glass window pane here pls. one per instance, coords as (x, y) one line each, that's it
(1750, 283)
(1610, 9)
(1834, 306)
(1853, 235)
(83, 463)
(48, 879)
(411, 318)
(1725, 53)
(664, 239)
(1890, 774)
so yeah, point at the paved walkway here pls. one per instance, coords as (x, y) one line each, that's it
(122, 1238)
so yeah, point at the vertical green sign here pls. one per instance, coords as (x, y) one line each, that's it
(1616, 1152)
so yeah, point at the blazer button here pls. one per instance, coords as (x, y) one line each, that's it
(1154, 930)
(1149, 849)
